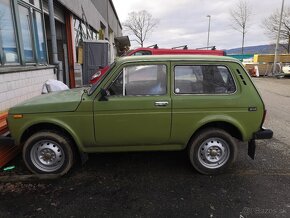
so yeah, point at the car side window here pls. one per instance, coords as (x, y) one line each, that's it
(140, 80)
(203, 79)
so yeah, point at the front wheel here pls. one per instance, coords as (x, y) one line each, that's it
(212, 151)
(48, 152)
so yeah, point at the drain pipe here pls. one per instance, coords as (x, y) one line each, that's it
(55, 60)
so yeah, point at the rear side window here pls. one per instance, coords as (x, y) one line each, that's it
(203, 79)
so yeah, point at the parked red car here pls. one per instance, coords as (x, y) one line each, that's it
(160, 51)
(99, 74)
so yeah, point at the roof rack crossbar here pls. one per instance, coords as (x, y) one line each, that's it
(182, 46)
(153, 46)
(210, 47)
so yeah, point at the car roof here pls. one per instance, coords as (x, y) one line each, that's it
(176, 58)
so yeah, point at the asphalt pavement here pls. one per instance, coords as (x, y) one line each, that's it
(164, 184)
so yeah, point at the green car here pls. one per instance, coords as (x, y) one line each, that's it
(205, 104)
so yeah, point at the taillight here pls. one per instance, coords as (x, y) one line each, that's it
(97, 74)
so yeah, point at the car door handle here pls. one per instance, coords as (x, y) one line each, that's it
(161, 103)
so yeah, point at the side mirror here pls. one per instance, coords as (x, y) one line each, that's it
(104, 94)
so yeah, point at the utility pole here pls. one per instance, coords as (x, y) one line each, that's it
(208, 31)
(278, 38)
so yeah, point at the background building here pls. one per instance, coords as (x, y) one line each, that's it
(26, 53)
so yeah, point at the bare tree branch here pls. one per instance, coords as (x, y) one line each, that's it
(140, 24)
(271, 26)
(241, 14)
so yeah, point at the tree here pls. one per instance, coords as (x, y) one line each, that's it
(140, 24)
(271, 25)
(241, 14)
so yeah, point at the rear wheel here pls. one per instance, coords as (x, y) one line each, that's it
(212, 151)
(48, 153)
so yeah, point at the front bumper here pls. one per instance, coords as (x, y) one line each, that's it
(7, 150)
(4, 140)
(261, 134)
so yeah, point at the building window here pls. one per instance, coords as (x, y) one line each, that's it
(25, 44)
(8, 48)
(39, 37)
(31, 24)
(83, 31)
(36, 3)
(26, 33)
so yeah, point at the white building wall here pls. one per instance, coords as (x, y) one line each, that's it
(20, 86)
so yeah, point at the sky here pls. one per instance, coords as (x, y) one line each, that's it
(185, 22)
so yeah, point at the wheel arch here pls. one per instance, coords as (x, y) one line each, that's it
(36, 127)
(230, 128)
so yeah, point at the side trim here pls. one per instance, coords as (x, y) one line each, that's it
(170, 147)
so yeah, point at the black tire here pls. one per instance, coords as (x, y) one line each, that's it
(47, 152)
(212, 151)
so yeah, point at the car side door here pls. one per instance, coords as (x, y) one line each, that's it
(137, 108)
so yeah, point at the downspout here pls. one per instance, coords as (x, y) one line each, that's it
(55, 60)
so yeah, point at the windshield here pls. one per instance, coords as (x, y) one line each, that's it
(94, 86)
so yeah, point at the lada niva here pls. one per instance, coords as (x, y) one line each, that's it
(204, 104)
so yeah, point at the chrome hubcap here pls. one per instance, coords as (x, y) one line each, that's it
(47, 155)
(213, 153)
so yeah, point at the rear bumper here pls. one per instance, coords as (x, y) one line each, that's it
(261, 134)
